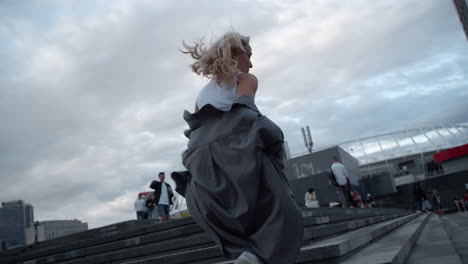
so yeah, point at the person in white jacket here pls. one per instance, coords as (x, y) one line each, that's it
(140, 207)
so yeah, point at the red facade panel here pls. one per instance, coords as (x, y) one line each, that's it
(451, 153)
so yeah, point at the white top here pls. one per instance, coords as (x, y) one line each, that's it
(311, 200)
(340, 173)
(140, 205)
(164, 199)
(219, 96)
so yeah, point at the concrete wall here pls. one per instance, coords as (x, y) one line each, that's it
(325, 192)
(377, 185)
(455, 165)
(448, 186)
(319, 162)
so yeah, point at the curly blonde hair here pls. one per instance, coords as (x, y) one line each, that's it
(217, 61)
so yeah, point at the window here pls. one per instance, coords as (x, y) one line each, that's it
(408, 164)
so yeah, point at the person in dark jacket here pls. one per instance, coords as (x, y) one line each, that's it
(151, 206)
(370, 202)
(237, 191)
(421, 198)
(162, 197)
(437, 203)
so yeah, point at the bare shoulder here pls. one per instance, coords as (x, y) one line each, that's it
(247, 85)
(248, 78)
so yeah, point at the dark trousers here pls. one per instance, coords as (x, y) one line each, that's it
(347, 199)
(140, 215)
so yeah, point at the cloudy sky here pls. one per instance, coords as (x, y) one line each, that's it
(92, 92)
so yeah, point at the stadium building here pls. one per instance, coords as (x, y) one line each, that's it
(389, 165)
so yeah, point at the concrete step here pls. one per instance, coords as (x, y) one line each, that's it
(85, 235)
(345, 211)
(374, 259)
(341, 245)
(311, 233)
(433, 245)
(171, 238)
(392, 248)
(347, 214)
(127, 237)
(202, 240)
(456, 226)
(171, 246)
(117, 229)
(213, 254)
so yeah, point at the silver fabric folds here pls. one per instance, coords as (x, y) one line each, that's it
(237, 191)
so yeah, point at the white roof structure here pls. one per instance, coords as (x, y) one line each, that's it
(405, 143)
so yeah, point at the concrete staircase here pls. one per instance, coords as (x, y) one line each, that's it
(331, 235)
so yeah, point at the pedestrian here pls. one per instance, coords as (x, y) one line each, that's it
(311, 199)
(237, 191)
(421, 199)
(370, 201)
(356, 198)
(465, 198)
(339, 177)
(437, 203)
(140, 207)
(458, 201)
(162, 196)
(150, 206)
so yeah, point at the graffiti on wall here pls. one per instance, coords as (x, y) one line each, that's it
(303, 169)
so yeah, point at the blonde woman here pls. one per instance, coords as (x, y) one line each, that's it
(237, 191)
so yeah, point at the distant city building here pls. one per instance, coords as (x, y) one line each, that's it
(34, 233)
(18, 228)
(15, 218)
(462, 9)
(58, 228)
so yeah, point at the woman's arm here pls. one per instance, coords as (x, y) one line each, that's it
(247, 85)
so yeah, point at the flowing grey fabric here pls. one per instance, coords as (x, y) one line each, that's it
(237, 191)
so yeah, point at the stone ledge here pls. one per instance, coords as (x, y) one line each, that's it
(341, 245)
(393, 248)
(206, 255)
(149, 234)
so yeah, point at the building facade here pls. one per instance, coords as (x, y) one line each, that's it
(58, 228)
(389, 165)
(312, 171)
(15, 217)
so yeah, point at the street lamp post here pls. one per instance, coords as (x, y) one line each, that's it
(307, 138)
(36, 236)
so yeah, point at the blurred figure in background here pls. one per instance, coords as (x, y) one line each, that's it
(150, 206)
(370, 201)
(140, 207)
(436, 202)
(310, 199)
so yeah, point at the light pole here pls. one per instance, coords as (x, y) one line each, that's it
(307, 138)
(309, 144)
(36, 239)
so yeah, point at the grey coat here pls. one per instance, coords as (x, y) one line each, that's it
(237, 191)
